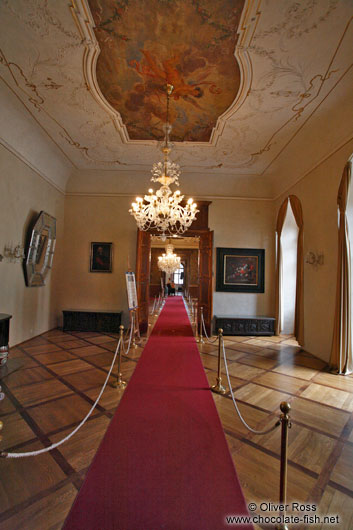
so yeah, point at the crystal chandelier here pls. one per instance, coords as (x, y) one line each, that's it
(162, 210)
(169, 262)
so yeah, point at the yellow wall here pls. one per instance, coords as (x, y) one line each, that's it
(23, 194)
(244, 224)
(100, 219)
(318, 195)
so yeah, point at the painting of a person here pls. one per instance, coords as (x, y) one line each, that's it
(101, 257)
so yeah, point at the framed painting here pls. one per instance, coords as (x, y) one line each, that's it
(101, 257)
(240, 270)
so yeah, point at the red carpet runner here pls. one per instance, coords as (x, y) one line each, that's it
(164, 462)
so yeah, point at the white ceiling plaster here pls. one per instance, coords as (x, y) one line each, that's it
(295, 97)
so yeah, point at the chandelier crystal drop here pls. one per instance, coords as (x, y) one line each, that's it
(169, 262)
(162, 210)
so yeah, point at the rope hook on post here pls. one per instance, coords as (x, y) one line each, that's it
(119, 383)
(218, 387)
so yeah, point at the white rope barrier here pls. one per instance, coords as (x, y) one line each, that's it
(154, 306)
(132, 329)
(3, 454)
(236, 406)
(205, 332)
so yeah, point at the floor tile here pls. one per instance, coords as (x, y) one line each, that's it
(110, 398)
(88, 379)
(71, 344)
(309, 362)
(88, 351)
(230, 419)
(100, 339)
(47, 513)
(253, 465)
(27, 377)
(341, 382)
(212, 380)
(305, 447)
(64, 337)
(39, 392)
(101, 359)
(329, 396)
(258, 361)
(43, 348)
(302, 372)
(81, 448)
(210, 361)
(292, 385)
(85, 334)
(343, 471)
(42, 470)
(208, 348)
(243, 347)
(59, 413)
(325, 419)
(334, 502)
(111, 346)
(15, 431)
(6, 406)
(69, 367)
(54, 357)
(264, 398)
(243, 371)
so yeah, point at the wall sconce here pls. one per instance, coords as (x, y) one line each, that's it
(315, 258)
(13, 254)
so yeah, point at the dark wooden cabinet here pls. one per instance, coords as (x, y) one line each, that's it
(90, 320)
(245, 325)
(4, 337)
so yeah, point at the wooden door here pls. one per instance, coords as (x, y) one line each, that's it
(205, 277)
(143, 263)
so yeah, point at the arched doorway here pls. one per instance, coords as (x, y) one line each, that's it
(297, 212)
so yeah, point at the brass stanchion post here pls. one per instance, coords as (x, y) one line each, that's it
(201, 341)
(286, 424)
(218, 387)
(119, 383)
(196, 315)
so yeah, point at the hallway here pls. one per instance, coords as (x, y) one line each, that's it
(60, 377)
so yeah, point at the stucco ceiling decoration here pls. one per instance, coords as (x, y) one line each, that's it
(295, 66)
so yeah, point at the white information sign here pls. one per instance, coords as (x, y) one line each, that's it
(131, 290)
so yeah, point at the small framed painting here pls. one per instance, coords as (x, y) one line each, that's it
(240, 270)
(101, 257)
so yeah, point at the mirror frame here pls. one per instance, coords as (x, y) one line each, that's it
(36, 278)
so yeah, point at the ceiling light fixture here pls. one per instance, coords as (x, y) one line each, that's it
(162, 211)
(169, 262)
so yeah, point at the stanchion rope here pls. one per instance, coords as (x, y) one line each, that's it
(277, 424)
(205, 332)
(132, 328)
(4, 454)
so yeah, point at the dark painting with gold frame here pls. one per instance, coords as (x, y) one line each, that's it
(101, 257)
(240, 270)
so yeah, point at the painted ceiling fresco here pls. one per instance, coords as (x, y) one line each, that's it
(187, 43)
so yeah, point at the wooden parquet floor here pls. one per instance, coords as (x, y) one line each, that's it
(57, 376)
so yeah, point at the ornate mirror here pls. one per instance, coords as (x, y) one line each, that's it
(39, 256)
